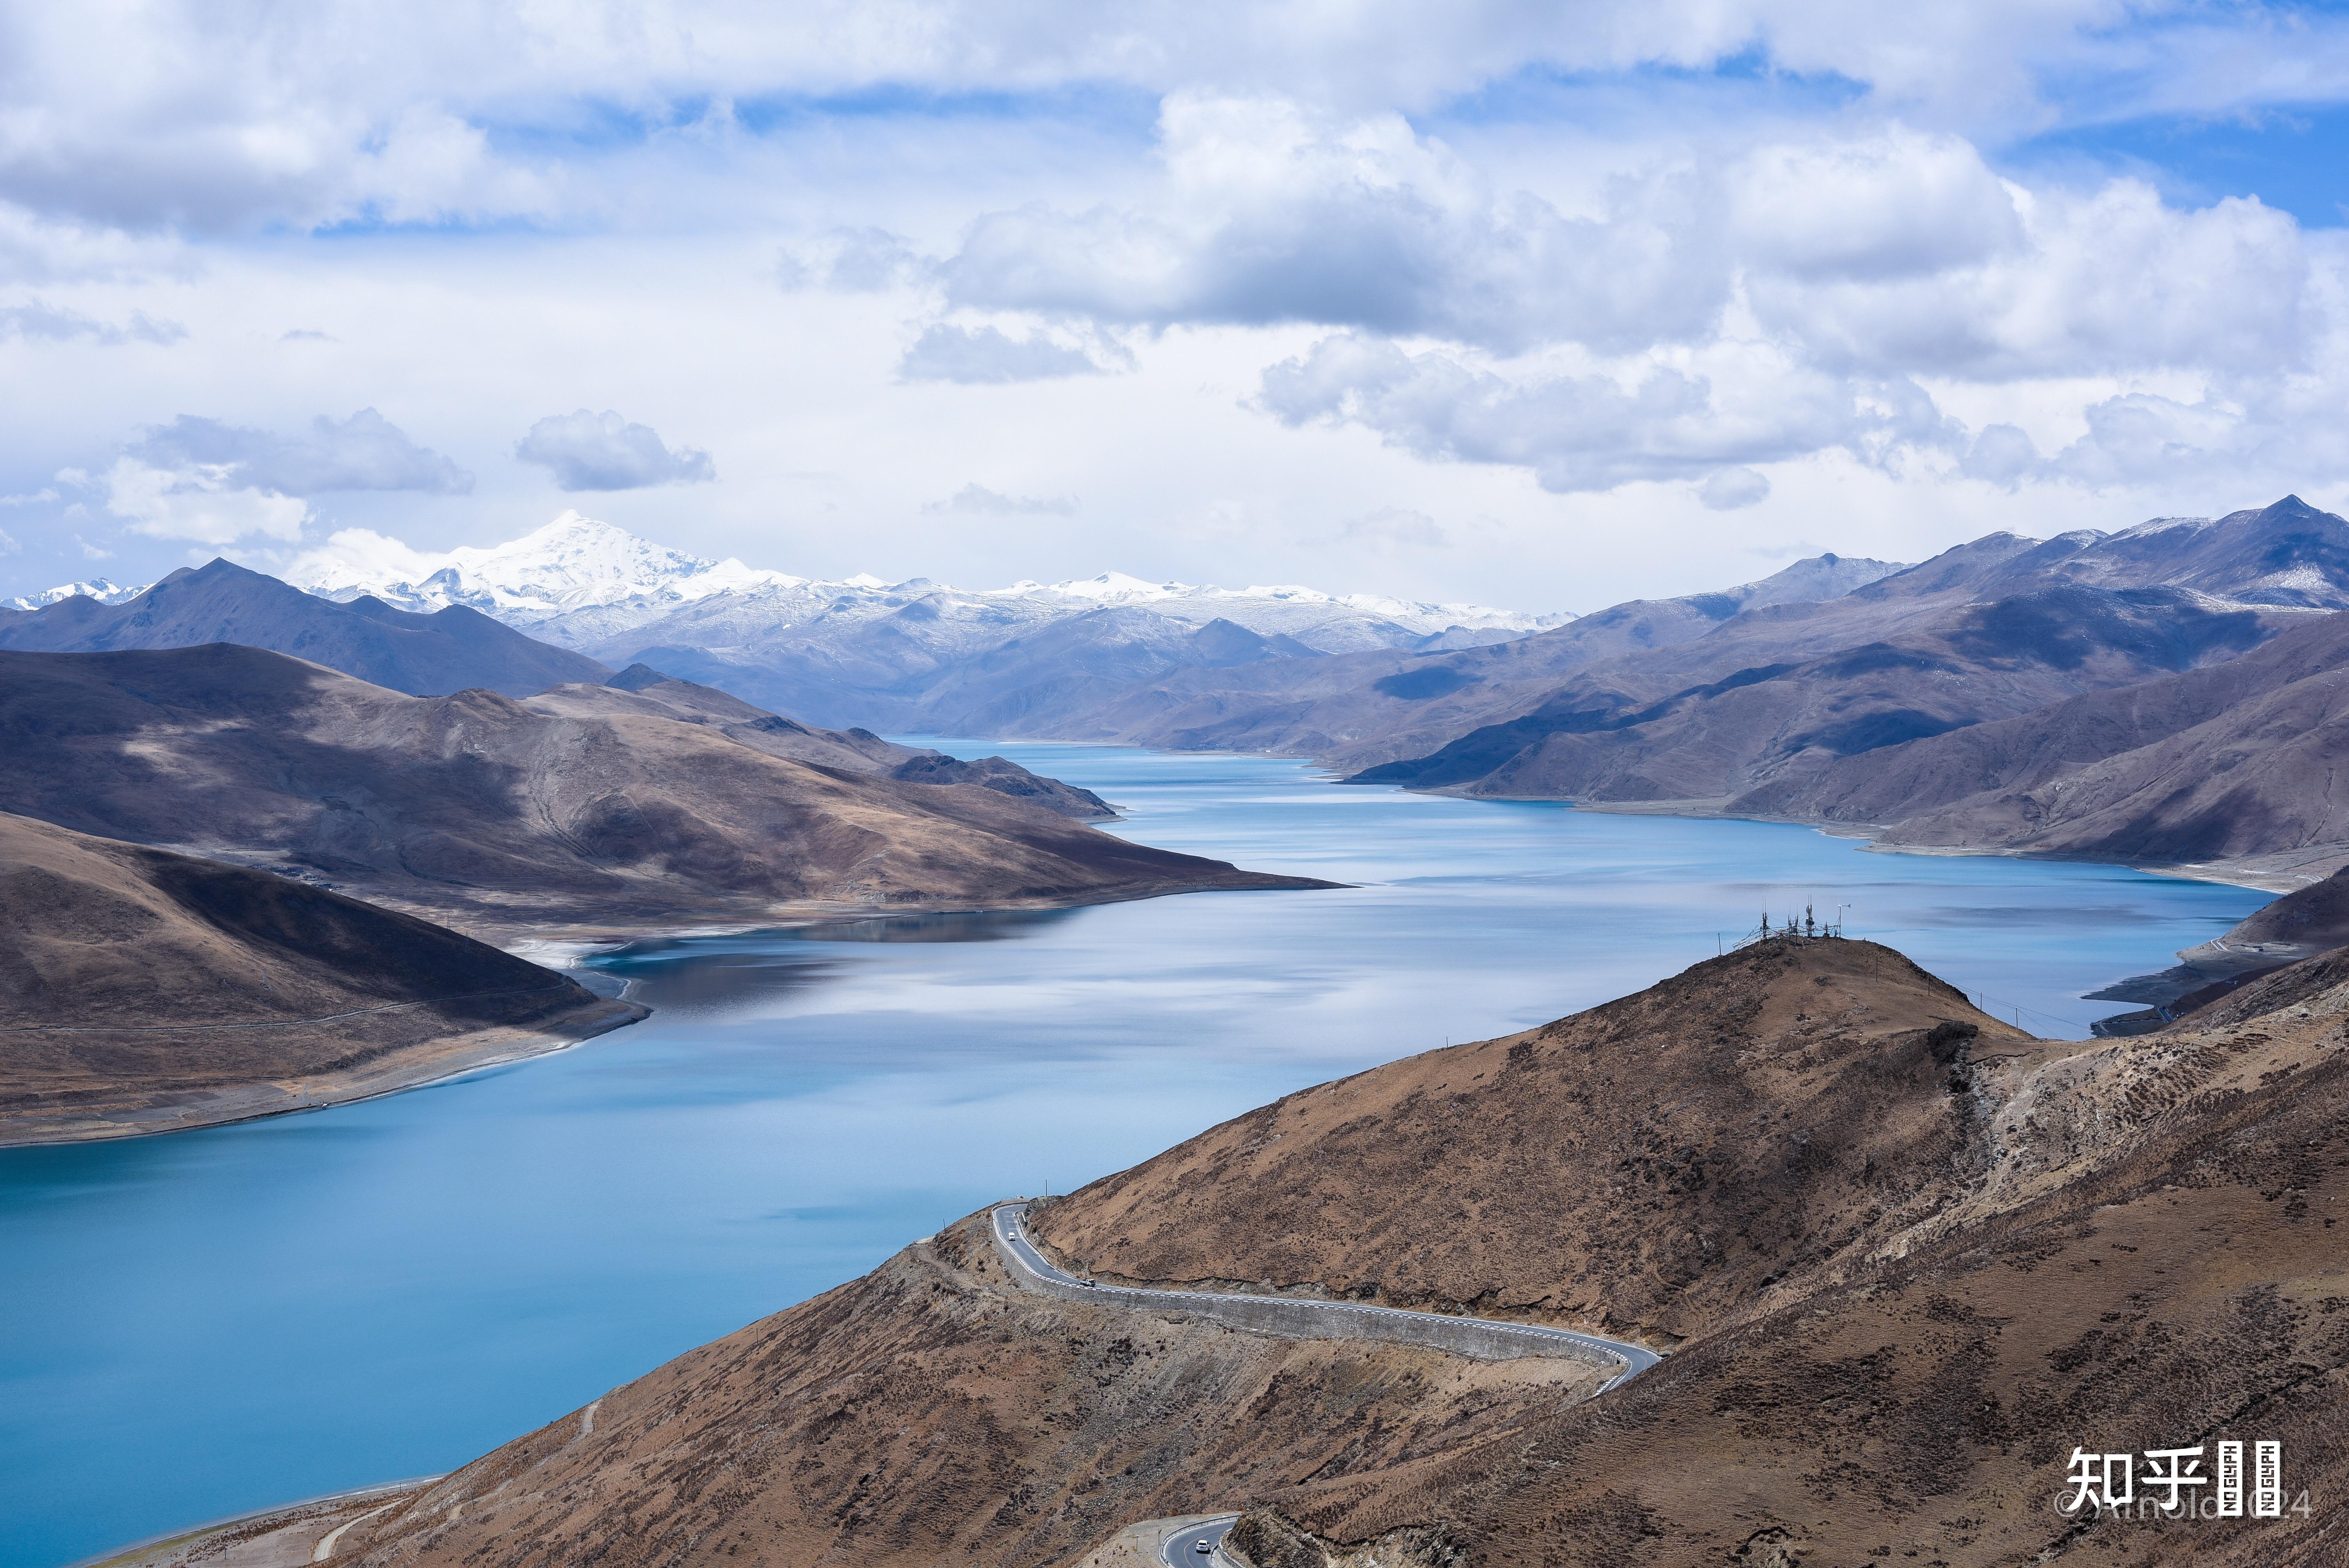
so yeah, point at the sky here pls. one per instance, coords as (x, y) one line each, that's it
(1532, 305)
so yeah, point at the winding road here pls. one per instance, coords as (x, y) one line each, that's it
(1181, 1550)
(1485, 1338)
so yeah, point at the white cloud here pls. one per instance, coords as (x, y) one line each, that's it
(590, 451)
(1894, 205)
(215, 483)
(1887, 252)
(1729, 489)
(1393, 525)
(1736, 405)
(854, 261)
(363, 452)
(977, 498)
(359, 556)
(2109, 282)
(1271, 213)
(40, 248)
(977, 355)
(202, 503)
(1591, 275)
(151, 115)
(36, 321)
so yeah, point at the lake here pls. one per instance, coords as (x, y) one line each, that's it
(209, 1322)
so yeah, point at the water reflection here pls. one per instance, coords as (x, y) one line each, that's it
(982, 925)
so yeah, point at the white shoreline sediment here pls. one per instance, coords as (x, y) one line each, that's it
(270, 1097)
(165, 1551)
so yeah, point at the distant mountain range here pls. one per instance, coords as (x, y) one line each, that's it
(2086, 695)
(916, 655)
(582, 581)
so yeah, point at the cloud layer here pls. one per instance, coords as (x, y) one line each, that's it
(590, 451)
(1251, 278)
(363, 452)
(216, 484)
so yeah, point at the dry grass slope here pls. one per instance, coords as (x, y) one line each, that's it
(142, 991)
(1910, 1268)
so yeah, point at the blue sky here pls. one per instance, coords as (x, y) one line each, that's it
(2294, 158)
(1499, 301)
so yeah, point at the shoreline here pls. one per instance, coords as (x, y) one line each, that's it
(2243, 873)
(259, 1101)
(561, 949)
(174, 1546)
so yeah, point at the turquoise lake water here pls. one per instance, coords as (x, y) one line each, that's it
(211, 1322)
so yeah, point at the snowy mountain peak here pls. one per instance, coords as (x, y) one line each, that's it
(2166, 525)
(104, 590)
(574, 562)
(1115, 588)
(1109, 588)
(585, 583)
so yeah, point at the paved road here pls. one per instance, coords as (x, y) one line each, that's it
(1182, 1548)
(1474, 1335)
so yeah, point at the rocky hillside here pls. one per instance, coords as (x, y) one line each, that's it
(2230, 763)
(143, 991)
(1910, 1267)
(489, 814)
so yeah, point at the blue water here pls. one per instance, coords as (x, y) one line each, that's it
(211, 1322)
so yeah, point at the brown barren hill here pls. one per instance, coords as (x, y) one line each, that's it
(1647, 1169)
(489, 814)
(641, 689)
(1915, 1269)
(934, 1412)
(143, 991)
(2232, 764)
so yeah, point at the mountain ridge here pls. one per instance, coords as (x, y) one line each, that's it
(1789, 713)
(484, 813)
(448, 651)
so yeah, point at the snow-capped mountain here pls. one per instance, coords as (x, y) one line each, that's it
(582, 582)
(572, 564)
(104, 590)
(866, 652)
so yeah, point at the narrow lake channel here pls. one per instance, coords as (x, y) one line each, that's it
(199, 1325)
